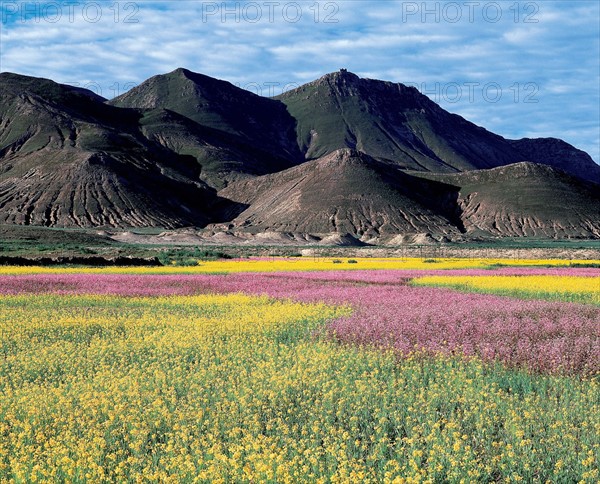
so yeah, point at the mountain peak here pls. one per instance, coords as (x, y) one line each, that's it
(262, 122)
(181, 70)
(343, 75)
(352, 83)
(347, 155)
(181, 73)
(343, 82)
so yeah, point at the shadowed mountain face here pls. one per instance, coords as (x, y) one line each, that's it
(222, 156)
(339, 155)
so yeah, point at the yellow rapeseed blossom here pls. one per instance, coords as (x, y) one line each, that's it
(293, 264)
(237, 388)
(564, 288)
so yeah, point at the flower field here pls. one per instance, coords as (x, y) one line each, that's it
(570, 288)
(413, 374)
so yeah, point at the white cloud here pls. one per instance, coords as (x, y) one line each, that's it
(521, 35)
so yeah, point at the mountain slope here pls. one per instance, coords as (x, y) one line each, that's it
(261, 122)
(526, 199)
(67, 158)
(345, 192)
(221, 156)
(562, 155)
(389, 121)
(394, 122)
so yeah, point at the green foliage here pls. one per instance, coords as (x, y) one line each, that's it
(190, 257)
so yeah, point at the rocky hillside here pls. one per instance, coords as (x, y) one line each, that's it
(68, 159)
(526, 200)
(320, 196)
(347, 192)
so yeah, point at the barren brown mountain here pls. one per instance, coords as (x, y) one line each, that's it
(68, 159)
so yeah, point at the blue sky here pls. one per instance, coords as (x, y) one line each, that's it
(518, 68)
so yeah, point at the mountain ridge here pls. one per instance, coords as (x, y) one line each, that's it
(416, 133)
(216, 104)
(361, 158)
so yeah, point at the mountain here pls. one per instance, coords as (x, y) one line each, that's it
(388, 121)
(261, 122)
(347, 192)
(69, 159)
(222, 157)
(526, 200)
(394, 122)
(343, 157)
(558, 154)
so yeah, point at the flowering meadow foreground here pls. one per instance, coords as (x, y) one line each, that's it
(446, 372)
